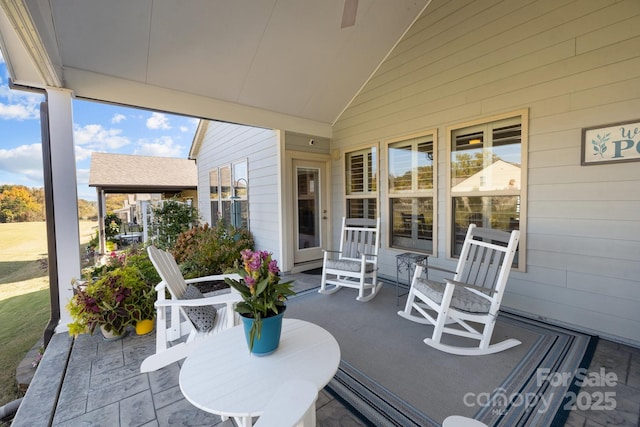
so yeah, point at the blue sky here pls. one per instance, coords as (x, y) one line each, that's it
(97, 127)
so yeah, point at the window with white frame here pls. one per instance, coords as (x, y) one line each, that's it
(214, 194)
(411, 192)
(361, 175)
(486, 171)
(239, 203)
(225, 194)
(228, 194)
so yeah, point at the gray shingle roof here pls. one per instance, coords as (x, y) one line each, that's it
(115, 172)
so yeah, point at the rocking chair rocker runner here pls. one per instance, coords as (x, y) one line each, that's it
(356, 265)
(191, 313)
(474, 294)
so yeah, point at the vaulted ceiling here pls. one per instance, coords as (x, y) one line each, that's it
(276, 63)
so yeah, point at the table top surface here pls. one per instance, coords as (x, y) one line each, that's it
(412, 255)
(222, 377)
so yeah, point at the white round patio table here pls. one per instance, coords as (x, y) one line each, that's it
(223, 378)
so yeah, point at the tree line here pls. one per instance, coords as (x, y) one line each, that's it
(19, 203)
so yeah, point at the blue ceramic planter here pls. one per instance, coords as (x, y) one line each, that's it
(270, 336)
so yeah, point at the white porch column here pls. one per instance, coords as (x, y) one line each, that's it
(65, 197)
(102, 208)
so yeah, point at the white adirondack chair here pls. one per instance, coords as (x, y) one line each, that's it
(473, 295)
(356, 265)
(211, 314)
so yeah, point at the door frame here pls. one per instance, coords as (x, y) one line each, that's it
(289, 234)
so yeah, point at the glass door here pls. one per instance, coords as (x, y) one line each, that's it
(310, 215)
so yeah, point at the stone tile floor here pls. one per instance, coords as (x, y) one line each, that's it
(103, 386)
(613, 380)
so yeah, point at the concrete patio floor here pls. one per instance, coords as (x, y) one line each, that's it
(103, 387)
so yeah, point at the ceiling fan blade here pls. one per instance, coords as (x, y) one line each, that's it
(349, 13)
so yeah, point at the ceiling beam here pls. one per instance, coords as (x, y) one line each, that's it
(17, 13)
(98, 87)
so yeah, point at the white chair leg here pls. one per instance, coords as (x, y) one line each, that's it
(441, 320)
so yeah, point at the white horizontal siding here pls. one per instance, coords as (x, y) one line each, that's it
(572, 64)
(226, 143)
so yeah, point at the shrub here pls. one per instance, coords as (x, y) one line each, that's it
(139, 258)
(133, 257)
(206, 250)
(112, 225)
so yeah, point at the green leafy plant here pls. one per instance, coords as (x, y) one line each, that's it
(204, 250)
(262, 293)
(111, 225)
(115, 301)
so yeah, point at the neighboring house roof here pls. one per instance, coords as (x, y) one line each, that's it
(129, 174)
(198, 138)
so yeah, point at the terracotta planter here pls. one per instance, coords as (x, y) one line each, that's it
(144, 327)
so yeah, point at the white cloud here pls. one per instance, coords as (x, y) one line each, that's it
(82, 177)
(184, 129)
(160, 147)
(158, 121)
(19, 105)
(117, 118)
(97, 138)
(19, 111)
(83, 153)
(25, 160)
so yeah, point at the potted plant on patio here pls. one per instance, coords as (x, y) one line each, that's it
(113, 302)
(263, 300)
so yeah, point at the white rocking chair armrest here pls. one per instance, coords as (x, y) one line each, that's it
(228, 299)
(425, 264)
(470, 286)
(160, 286)
(331, 251)
(212, 278)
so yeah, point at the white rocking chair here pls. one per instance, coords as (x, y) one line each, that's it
(192, 315)
(474, 294)
(356, 265)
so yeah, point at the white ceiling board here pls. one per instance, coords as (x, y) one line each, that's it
(286, 57)
(286, 71)
(210, 47)
(108, 37)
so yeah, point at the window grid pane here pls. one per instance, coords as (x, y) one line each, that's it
(400, 167)
(361, 208)
(225, 182)
(361, 181)
(213, 185)
(412, 223)
(495, 212)
(425, 165)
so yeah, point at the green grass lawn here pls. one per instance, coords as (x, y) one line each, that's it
(24, 295)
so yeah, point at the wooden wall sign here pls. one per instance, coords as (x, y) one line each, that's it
(612, 143)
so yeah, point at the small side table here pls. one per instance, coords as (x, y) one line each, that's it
(406, 262)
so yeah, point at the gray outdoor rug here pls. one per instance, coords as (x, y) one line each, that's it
(391, 378)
